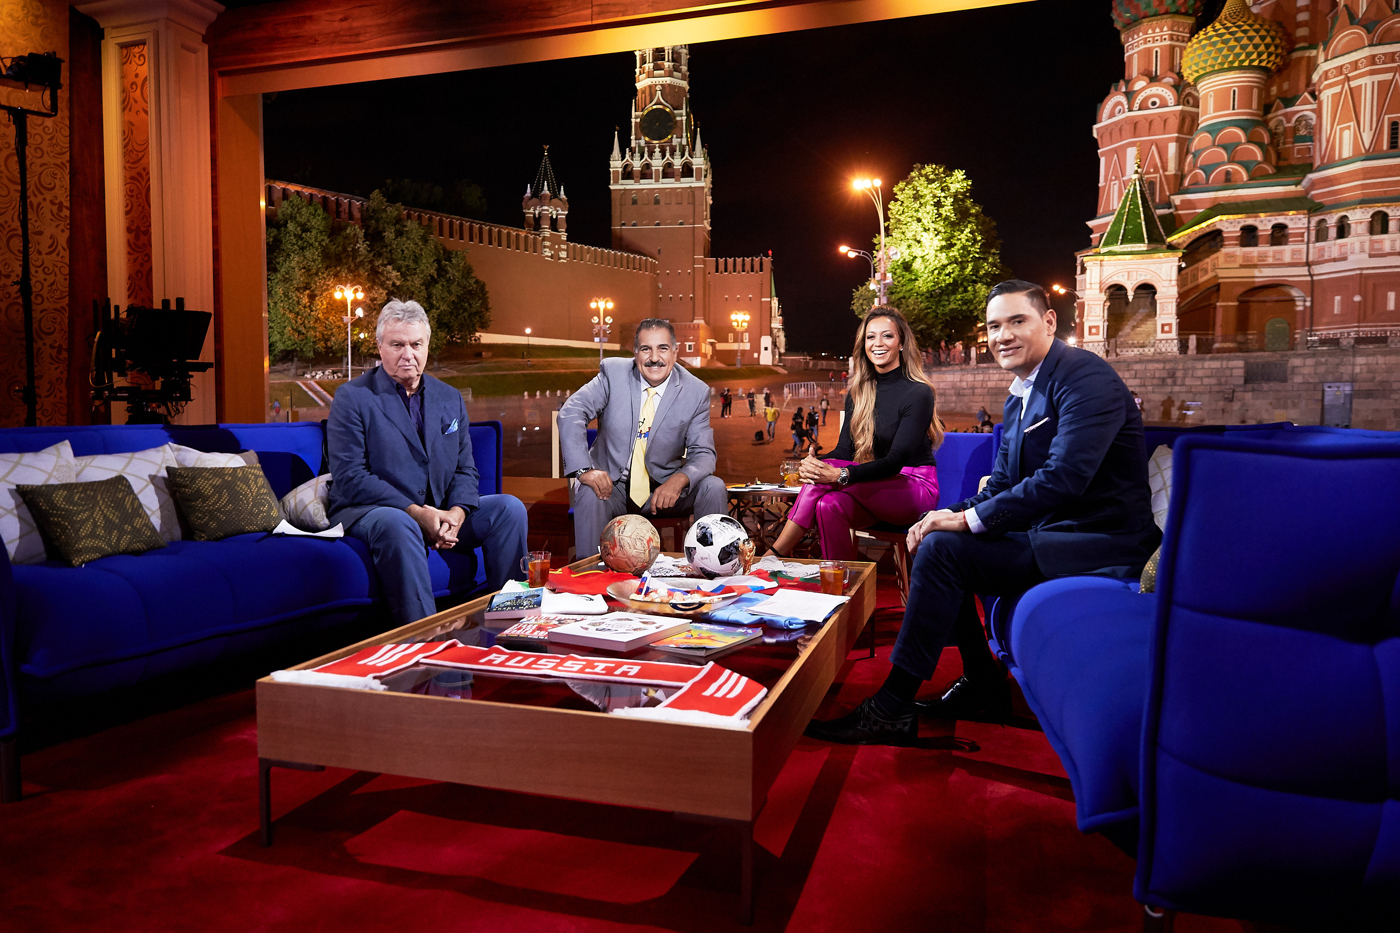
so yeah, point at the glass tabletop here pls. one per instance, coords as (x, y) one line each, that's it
(764, 661)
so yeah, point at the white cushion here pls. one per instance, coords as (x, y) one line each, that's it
(50, 465)
(305, 506)
(1159, 480)
(145, 470)
(189, 457)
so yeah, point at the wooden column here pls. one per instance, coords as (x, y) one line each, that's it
(241, 319)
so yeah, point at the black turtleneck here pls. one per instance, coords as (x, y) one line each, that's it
(903, 412)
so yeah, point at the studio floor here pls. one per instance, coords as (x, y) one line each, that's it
(152, 825)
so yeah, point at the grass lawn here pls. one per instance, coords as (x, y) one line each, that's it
(511, 351)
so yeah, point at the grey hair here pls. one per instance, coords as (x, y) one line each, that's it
(405, 312)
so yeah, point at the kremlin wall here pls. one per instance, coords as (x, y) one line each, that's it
(660, 264)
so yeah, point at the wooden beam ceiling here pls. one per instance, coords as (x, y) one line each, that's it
(315, 43)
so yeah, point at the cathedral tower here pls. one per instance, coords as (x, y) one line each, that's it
(660, 181)
(547, 210)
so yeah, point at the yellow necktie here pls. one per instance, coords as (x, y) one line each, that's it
(639, 483)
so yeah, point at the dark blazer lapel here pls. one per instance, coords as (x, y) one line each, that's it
(396, 411)
(1014, 434)
(1036, 406)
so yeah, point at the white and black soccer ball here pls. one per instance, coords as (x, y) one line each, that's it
(713, 544)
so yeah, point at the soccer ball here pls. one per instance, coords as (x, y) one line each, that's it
(718, 545)
(629, 544)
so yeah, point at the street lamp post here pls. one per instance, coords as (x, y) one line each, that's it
(852, 254)
(740, 320)
(527, 345)
(351, 294)
(871, 186)
(1061, 290)
(602, 323)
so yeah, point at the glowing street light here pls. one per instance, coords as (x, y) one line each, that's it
(351, 294)
(740, 320)
(602, 323)
(850, 253)
(527, 343)
(871, 186)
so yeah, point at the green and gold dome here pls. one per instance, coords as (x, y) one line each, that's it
(1239, 38)
(1130, 12)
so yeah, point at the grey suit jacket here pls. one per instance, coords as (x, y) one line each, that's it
(681, 439)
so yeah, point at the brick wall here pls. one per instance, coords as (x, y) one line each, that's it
(1226, 389)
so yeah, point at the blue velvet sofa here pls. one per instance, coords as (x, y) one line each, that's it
(1238, 730)
(69, 632)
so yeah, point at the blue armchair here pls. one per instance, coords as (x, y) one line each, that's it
(1239, 730)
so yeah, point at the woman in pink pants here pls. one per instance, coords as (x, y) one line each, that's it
(882, 469)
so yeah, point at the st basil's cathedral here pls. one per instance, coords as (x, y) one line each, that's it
(1249, 180)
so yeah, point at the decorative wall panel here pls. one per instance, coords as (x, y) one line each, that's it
(136, 173)
(35, 26)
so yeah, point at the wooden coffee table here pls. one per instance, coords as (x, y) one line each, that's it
(539, 739)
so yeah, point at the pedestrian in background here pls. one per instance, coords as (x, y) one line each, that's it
(770, 414)
(799, 431)
(751, 404)
(767, 399)
(812, 424)
(726, 401)
(825, 406)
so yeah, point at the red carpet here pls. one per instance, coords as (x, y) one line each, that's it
(152, 826)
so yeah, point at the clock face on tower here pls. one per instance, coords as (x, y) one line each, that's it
(658, 124)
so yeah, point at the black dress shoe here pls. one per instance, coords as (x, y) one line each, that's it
(865, 726)
(970, 699)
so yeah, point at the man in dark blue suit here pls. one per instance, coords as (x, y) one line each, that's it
(1068, 495)
(403, 478)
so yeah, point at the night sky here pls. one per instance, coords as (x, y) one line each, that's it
(1007, 94)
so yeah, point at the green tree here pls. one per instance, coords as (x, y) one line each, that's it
(387, 255)
(949, 255)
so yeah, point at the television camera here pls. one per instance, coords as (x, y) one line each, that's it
(156, 350)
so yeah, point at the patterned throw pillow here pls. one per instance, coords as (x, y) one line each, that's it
(305, 506)
(189, 457)
(1159, 480)
(145, 470)
(221, 501)
(50, 465)
(84, 521)
(1149, 573)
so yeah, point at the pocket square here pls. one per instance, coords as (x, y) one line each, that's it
(1036, 425)
(451, 428)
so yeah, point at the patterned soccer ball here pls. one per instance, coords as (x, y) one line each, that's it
(717, 544)
(629, 544)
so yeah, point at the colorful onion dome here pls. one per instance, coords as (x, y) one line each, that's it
(1128, 12)
(1240, 38)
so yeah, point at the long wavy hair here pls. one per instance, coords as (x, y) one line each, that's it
(863, 383)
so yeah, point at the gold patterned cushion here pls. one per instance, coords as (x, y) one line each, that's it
(145, 470)
(217, 502)
(50, 465)
(84, 521)
(1149, 573)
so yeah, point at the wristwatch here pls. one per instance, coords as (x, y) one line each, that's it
(843, 478)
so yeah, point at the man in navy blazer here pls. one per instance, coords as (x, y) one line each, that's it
(1068, 495)
(403, 478)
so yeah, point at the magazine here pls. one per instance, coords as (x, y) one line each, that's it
(704, 641)
(532, 632)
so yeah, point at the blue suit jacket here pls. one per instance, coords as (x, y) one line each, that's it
(1077, 479)
(376, 458)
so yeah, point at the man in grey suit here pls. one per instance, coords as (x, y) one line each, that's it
(403, 477)
(655, 452)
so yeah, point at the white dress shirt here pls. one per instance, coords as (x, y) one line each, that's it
(1021, 388)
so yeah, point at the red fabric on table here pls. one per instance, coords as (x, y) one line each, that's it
(587, 582)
